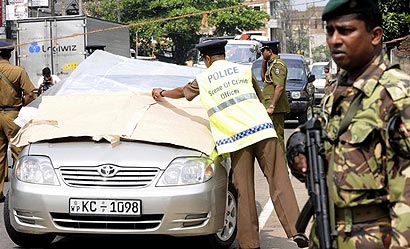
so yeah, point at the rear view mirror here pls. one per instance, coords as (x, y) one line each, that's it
(311, 78)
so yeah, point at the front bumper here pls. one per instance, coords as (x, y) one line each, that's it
(177, 211)
(298, 106)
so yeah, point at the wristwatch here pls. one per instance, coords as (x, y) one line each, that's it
(271, 107)
(160, 93)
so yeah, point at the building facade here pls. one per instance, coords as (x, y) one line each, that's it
(298, 31)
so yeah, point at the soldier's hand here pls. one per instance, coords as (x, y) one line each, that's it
(300, 163)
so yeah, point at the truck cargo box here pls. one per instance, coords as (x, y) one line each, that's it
(63, 42)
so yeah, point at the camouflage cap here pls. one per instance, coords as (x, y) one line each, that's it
(345, 7)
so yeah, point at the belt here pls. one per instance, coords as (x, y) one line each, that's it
(10, 108)
(362, 213)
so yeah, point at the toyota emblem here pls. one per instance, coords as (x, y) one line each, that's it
(107, 170)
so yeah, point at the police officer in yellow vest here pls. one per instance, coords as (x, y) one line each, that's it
(15, 87)
(240, 126)
(274, 73)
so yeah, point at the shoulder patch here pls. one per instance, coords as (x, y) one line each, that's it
(396, 83)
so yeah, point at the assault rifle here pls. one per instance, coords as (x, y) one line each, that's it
(318, 202)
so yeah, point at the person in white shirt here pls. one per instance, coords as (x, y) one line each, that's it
(47, 80)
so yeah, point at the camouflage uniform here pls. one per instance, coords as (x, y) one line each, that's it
(365, 175)
(276, 74)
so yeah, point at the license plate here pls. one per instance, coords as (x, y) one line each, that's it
(105, 207)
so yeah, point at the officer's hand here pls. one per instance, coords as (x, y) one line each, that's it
(156, 93)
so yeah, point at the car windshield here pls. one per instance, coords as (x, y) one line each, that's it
(296, 70)
(318, 71)
(109, 73)
(239, 53)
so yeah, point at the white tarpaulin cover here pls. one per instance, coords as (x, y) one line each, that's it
(109, 96)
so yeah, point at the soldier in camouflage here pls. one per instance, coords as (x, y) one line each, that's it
(368, 175)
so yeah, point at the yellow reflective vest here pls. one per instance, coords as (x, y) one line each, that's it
(237, 117)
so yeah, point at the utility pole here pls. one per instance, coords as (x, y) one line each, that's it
(53, 7)
(118, 11)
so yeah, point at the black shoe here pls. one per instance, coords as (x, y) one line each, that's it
(301, 240)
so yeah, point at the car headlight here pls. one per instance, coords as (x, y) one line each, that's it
(187, 170)
(36, 169)
(295, 95)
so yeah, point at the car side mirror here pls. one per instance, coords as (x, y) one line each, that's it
(311, 78)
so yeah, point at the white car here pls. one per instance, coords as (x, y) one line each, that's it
(317, 69)
(128, 165)
(244, 52)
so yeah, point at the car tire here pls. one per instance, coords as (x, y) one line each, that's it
(226, 237)
(304, 116)
(24, 240)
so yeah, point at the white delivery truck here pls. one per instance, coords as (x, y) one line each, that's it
(63, 42)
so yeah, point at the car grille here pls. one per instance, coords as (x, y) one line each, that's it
(320, 90)
(124, 177)
(147, 221)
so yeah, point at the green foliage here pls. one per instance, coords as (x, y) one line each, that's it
(160, 19)
(396, 18)
(321, 53)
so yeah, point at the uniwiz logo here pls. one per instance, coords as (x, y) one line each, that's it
(35, 48)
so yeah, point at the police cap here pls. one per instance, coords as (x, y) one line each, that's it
(212, 47)
(345, 7)
(269, 44)
(6, 46)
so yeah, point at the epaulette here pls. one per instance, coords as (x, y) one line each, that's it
(396, 82)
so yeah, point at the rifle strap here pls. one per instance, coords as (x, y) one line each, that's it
(350, 113)
(344, 124)
(4, 78)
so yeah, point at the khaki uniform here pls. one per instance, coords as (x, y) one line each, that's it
(275, 75)
(272, 163)
(10, 103)
(369, 181)
(328, 82)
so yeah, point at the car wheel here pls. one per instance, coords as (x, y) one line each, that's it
(304, 116)
(227, 235)
(24, 239)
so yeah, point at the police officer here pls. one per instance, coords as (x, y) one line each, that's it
(367, 138)
(274, 73)
(16, 89)
(328, 78)
(240, 126)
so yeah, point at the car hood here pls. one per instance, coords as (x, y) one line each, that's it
(126, 154)
(319, 83)
(295, 85)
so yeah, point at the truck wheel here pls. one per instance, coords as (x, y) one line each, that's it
(24, 239)
(225, 238)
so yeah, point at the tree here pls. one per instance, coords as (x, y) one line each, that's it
(396, 18)
(321, 53)
(179, 20)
